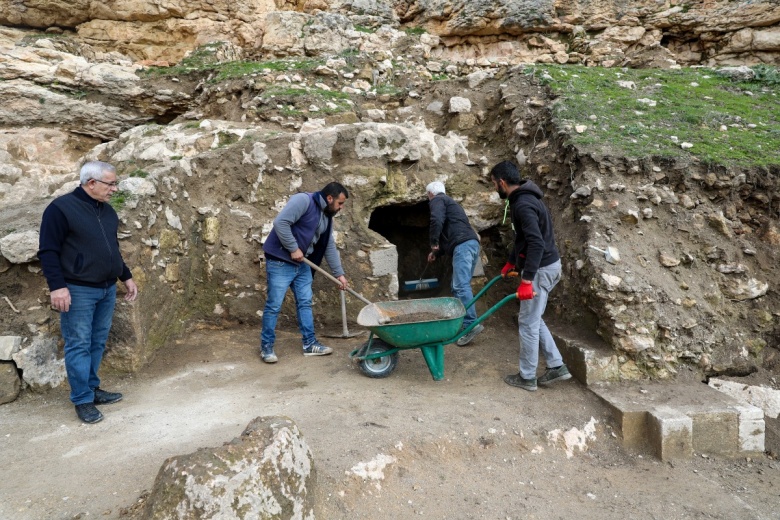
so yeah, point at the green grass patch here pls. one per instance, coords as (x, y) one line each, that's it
(363, 29)
(415, 31)
(226, 139)
(138, 172)
(389, 89)
(729, 123)
(204, 60)
(119, 199)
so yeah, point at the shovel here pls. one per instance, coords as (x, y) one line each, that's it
(611, 255)
(345, 331)
(334, 279)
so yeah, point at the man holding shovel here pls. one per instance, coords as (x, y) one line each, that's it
(303, 229)
(451, 234)
(536, 255)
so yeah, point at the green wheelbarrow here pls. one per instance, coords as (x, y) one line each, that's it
(427, 324)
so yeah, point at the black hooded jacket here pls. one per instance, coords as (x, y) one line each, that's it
(534, 245)
(449, 225)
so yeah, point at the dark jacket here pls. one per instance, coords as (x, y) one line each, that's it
(534, 245)
(303, 230)
(449, 225)
(78, 243)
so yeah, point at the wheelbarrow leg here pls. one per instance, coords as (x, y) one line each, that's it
(434, 357)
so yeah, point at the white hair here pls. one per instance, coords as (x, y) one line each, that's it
(95, 170)
(435, 188)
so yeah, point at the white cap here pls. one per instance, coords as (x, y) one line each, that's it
(435, 188)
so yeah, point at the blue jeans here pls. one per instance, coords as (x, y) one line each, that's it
(280, 276)
(534, 334)
(85, 330)
(464, 260)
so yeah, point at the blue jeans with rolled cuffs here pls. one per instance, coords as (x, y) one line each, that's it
(464, 260)
(281, 276)
(85, 330)
(534, 334)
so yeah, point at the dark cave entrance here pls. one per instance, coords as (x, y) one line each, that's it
(406, 226)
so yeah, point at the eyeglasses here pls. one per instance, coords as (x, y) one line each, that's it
(111, 184)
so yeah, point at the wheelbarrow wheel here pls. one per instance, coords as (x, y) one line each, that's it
(379, 367)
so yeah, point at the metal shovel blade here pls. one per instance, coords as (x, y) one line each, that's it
(611, 255)
(345, 331)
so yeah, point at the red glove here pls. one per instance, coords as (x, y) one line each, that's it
(508, 268)
(525, 291)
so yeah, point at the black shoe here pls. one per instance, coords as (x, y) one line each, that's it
(518, 381)
(552, 375)
(88, 413)
(103, 397)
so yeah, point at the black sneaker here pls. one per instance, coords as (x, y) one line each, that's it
(88, 413)
(551, 375)
(103, 397)
(518, 381)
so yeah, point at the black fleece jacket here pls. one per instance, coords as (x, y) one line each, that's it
(534, 245)
(80, 248)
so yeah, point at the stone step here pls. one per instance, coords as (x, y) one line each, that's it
(674, 420)
(669, 420)
(588, 357)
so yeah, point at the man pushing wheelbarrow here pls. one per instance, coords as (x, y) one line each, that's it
(535, 254)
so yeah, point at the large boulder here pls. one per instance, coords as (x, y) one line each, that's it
(266, 473)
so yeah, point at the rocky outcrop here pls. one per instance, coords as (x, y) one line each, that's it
(267, 472)
(608, 32)
(71, 86)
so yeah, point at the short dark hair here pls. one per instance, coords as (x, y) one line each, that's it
(334, 189)
(507, 172)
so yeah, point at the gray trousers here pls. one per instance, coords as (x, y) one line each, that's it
(534, 334)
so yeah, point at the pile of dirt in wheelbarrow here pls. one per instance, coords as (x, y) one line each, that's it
(417, 317)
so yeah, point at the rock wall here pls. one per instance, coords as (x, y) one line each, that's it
(609, 32)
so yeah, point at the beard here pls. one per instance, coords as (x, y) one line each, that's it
(330, 211)
(501, 193)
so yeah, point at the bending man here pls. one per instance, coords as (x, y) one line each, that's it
(451, 234)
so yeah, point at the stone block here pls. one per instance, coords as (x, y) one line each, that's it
(588, 364)
(752, 428)
(716, 431)
(670, 433)
(10, 383)
(384, 261)
(9, 345)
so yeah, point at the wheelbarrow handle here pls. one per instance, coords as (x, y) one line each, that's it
(334, 279)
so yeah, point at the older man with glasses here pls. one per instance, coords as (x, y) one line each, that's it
(80, 257)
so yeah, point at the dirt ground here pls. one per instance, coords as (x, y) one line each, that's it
(466, 447)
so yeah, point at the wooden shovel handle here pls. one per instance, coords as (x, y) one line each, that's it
(334, 279)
